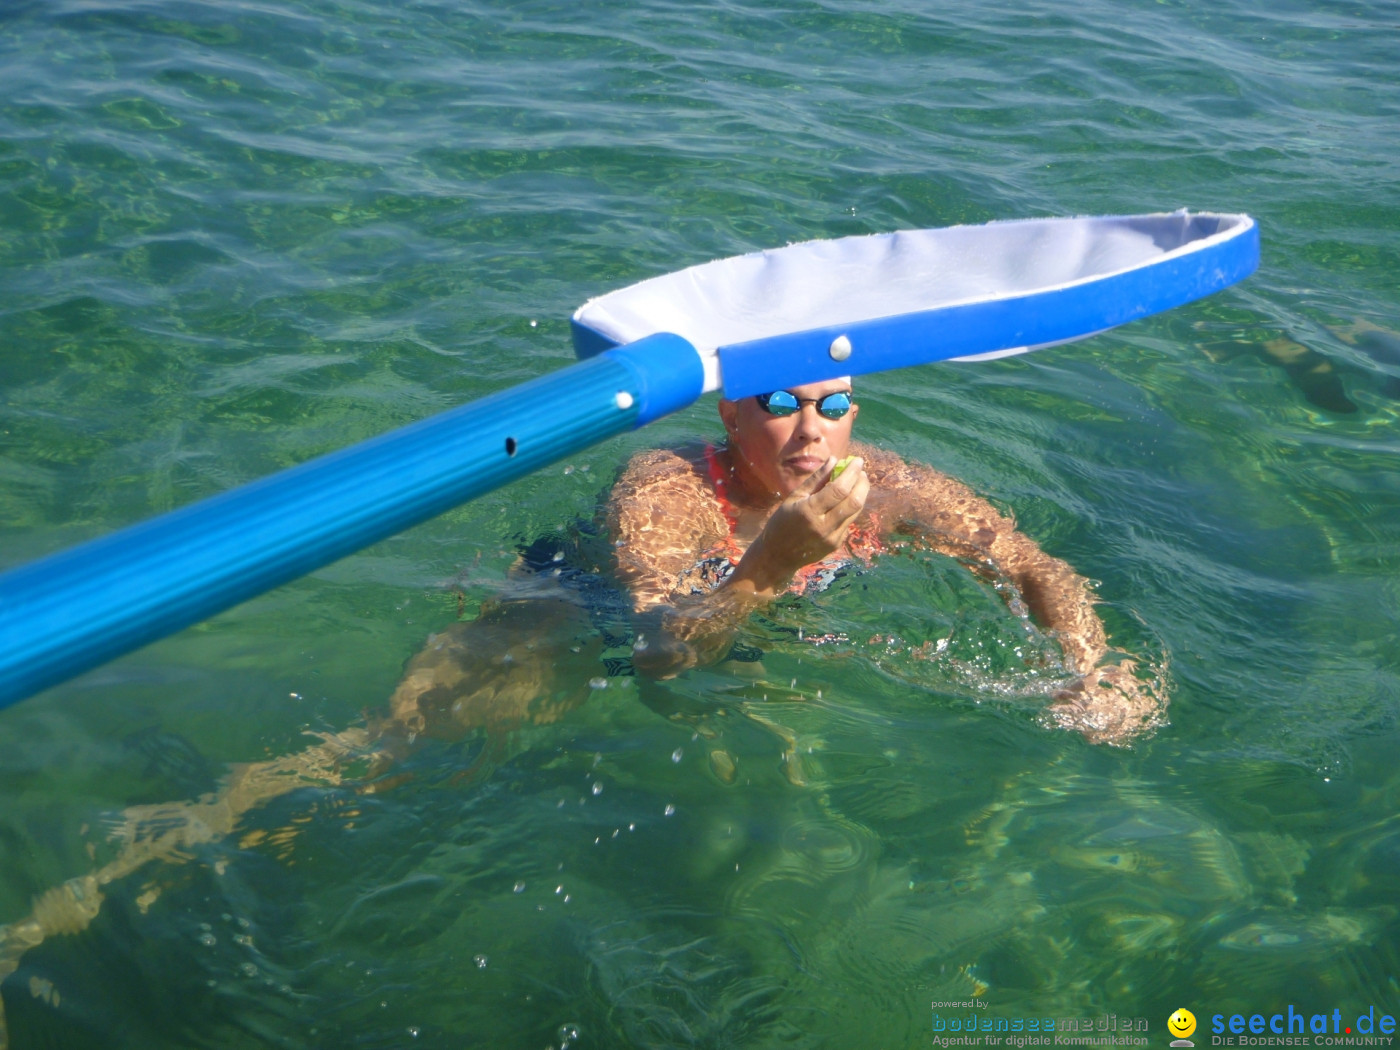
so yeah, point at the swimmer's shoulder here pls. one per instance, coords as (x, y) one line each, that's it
(681, 471)
(667, 493)
(890, 471)
(901, 487)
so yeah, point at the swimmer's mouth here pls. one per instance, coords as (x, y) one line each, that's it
(805, 464)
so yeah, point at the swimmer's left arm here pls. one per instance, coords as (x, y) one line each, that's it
(949, 516)
(1108, 704)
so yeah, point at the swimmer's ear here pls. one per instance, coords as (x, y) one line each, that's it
(729, 415)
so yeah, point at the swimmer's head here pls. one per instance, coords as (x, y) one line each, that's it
(775, 448)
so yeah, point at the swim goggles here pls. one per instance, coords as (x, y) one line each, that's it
(785, 403)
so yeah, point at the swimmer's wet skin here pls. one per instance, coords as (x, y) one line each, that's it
(768, 504)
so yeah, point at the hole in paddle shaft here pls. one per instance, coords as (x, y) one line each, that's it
(510, 446)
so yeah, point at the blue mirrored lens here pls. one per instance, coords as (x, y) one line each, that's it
(779, 403)
(834, 406)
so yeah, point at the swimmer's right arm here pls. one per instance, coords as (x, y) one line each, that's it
(663, 515)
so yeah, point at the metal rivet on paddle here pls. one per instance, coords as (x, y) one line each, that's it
(840, 348)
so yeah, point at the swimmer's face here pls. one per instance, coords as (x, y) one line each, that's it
(775, 454)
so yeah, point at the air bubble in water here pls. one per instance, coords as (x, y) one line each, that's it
(670, 809)
(568, 1033)
(597, 787)
(480, 961)
(519, 887)
(598, 683)
(676, 755)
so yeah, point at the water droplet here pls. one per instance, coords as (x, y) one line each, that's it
(597, 787)
(413, 1029)
(670, 809)
(558, 890)
(480, 961)
(567, 1034)
(677, 754)
(519, 887)
(536, 324)
(631, 827)
(566, 898)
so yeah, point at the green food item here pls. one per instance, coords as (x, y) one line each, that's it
(841, 464)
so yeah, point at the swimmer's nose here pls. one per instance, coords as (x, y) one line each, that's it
(809, 421)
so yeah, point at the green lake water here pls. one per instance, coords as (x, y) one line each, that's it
(234, 236)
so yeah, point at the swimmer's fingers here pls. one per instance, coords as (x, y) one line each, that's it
(845, 497)
(810, 485)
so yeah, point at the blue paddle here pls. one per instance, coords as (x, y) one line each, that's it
(747, 325)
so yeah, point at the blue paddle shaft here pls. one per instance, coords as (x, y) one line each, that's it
(67, 613)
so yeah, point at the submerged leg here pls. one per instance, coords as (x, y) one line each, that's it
(169, 830)
(521, 662)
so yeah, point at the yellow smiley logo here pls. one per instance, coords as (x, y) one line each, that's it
(1182, 1023)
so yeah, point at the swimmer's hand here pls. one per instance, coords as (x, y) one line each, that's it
(1110, 705)
(811, 524)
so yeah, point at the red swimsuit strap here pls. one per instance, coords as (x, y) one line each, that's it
(719, 478)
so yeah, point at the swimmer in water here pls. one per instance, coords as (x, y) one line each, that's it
(702, 539)
(705, 538)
